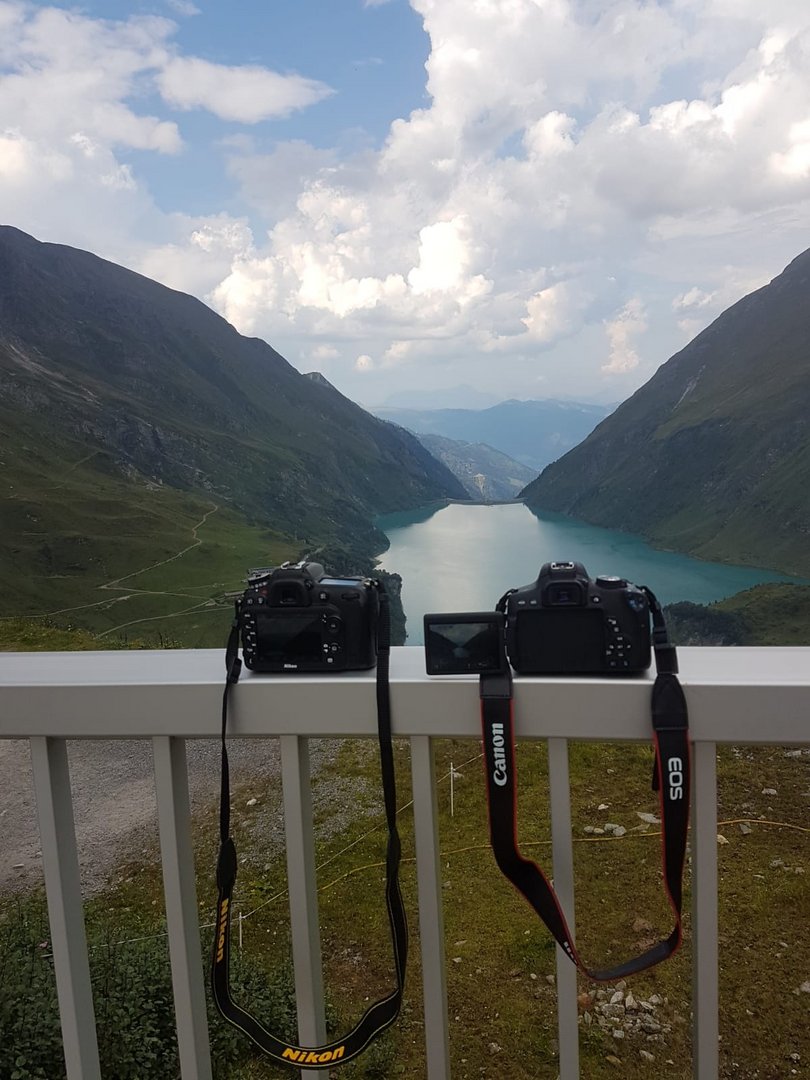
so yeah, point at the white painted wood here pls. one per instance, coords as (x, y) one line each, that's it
(729, 691)
(65, 911)
(431, 919)
(174, 819)
(563, 863)
(705, 985)
(303, 889)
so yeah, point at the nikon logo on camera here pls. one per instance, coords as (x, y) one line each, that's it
(314, 1057)
(499, 754)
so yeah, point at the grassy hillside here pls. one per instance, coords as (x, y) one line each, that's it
(85, 546)
(150, 454)
(164, 386)
(712, 455)
(764, 615)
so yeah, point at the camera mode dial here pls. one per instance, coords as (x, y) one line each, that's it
(610, 582)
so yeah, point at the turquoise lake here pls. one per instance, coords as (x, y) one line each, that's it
(463, 558)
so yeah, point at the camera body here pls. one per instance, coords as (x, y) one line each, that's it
(294, 618)
(565, 623)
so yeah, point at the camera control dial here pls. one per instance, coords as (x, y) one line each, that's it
(610, 582)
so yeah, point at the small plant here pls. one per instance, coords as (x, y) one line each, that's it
(134, 1006)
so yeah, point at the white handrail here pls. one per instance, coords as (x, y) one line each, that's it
(735, 695)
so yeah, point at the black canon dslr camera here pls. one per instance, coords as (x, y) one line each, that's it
(562, 624)
(294, 618)
(567, 624)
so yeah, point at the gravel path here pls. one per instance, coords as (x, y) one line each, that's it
(115, 808)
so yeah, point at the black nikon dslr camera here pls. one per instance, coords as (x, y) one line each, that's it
(562, 624)
(294, 618)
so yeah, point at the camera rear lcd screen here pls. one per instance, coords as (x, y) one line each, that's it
(463, 648)
(561, 640)
(290, 638)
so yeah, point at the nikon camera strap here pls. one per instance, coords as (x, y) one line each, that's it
(672, 762)
(382, 1013)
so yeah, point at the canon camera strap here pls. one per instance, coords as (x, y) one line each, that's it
(672, 762)
(382, 1013)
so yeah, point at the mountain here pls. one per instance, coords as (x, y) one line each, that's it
(149, 453)
(765, 615)
(712, 455)
(532, 432)
(485, 473)
(167, 388)
(444, 397)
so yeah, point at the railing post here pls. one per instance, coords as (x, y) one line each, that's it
(303, 889)
(182, 915)
(431, 921)
(68, 939)
(705, 989)
(563, 863)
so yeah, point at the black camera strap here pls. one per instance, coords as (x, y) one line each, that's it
(672, 762)
(382, 1013)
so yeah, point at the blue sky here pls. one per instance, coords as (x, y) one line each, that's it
(532, 198)
(340, 44)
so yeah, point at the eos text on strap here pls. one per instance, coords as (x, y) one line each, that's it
(567, 624)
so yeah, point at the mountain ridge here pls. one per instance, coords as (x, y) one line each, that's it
(173, 391)
(711, 455)
(530, 432)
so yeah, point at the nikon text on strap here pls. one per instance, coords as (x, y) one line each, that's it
(672, 762)
(382, 1013)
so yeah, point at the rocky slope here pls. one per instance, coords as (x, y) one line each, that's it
(712, 455)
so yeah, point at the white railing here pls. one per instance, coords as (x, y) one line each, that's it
(739, 695)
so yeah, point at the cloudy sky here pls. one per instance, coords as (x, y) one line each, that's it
(529, 198)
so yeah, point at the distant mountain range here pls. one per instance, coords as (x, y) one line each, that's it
(124, 393)
(712, 455)
(532, 432)
(486, 473)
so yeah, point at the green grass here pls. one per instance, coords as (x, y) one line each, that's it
(494, 944)
(79, 549)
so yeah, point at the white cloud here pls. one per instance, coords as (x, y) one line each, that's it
(184, 7)
(579, 172)
(246, 94)
(621, 332)
(325, 352)
(547, 313)
(693, 298)
(363, 363)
